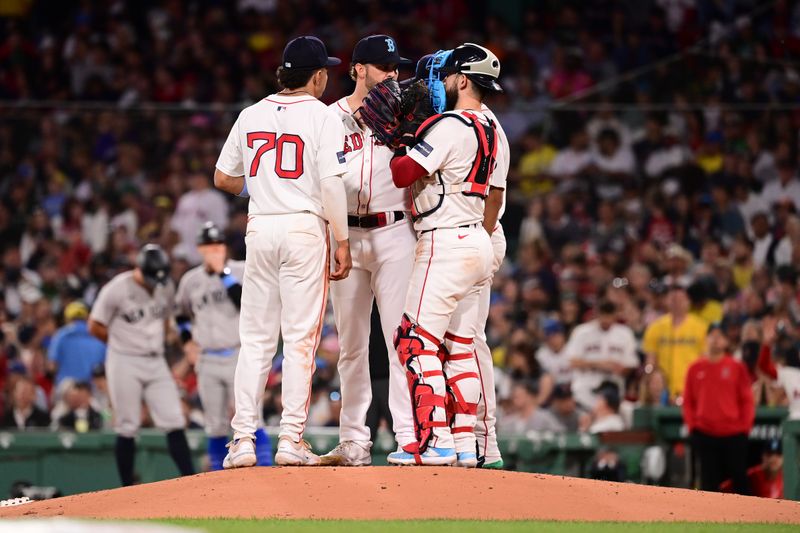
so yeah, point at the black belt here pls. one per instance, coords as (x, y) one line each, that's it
(375, 220)
(474, 224)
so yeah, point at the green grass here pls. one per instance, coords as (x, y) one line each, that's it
(467, 526)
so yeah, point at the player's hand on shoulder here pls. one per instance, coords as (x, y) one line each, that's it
(343, 261)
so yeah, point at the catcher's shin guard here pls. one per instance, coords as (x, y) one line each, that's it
(422, 356)
(463, 390)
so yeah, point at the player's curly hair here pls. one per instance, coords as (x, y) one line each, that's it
(294, 78)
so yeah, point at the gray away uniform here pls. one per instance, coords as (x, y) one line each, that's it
(203, 298)
(135, 364)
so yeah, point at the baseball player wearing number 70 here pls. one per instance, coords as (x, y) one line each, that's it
(208, 300)
(448, 169)
(285, 152)
(382, 242)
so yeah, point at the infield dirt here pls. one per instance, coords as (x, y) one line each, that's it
(407, 493)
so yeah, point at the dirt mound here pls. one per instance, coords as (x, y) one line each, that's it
(407, 493)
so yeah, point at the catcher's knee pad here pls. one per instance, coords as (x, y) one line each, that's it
(422, 355)
(463, 383)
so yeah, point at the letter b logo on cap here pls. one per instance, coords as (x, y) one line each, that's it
(390, 47)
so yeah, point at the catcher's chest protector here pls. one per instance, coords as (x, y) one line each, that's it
(428, 194)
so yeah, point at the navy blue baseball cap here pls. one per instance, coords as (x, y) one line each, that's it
(307, 52)
(423, 68)
(377, 50)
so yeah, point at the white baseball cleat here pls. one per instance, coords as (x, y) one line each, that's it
(241, 453)
(430, 457)
(467, 459)
(348, 453)
(292, 453)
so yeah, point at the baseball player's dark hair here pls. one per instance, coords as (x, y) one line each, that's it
(480, 91)
(294, 78)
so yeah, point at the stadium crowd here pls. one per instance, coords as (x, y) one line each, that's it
(639, 214)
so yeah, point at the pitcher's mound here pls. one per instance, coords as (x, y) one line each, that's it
(407, 493)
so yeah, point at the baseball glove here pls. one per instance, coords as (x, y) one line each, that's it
(394, 115)
(380, 111)
(415, 108)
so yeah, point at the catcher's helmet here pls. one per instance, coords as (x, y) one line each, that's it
(210, 234)
(154, 264)
(479, 64)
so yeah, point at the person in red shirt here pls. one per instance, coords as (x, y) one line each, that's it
(718, 409)
(766, 479)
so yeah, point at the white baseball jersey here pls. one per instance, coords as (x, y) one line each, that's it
(789, 379)
(499, 177)
(447, 152)
(590, 342)
(283, 146)
(368, 180)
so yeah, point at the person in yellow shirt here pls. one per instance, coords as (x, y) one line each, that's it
(703, 304)
(535, 163)
(675, 340)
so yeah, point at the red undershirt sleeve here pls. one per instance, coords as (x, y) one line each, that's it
(406, 171)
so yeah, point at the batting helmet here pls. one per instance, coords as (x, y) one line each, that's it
(479, 64)
(210, 234)
(154, 264)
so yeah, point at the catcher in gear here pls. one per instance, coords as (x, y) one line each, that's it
(449, 171)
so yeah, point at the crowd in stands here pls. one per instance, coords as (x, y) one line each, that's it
(641, 210)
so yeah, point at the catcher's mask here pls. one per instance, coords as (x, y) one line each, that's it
(435, 78)
(479, 64)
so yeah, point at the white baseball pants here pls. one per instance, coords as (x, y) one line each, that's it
(382, 263)
(283, 293)
(451, 265)
(485, 427)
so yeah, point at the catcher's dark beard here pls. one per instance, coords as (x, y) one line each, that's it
(450, 98)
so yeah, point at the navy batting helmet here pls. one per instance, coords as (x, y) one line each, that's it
(154, 264)
(210, 234)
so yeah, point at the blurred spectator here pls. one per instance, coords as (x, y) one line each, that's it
(612, 163)
(653, 391)
(675, 341)
(101, 401)
(765, 480)
(600, 350)
(81, 417)
(22, 413)
(762, 239)
(605, 412)
(784, 368)
(718, 410)
(525, 414)
(197, 206)
(551, 354)
(565, 409)
(73, 352)
(607, 466)
(786, 185)
(521, 365)
(573, 160)
(534, 164)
